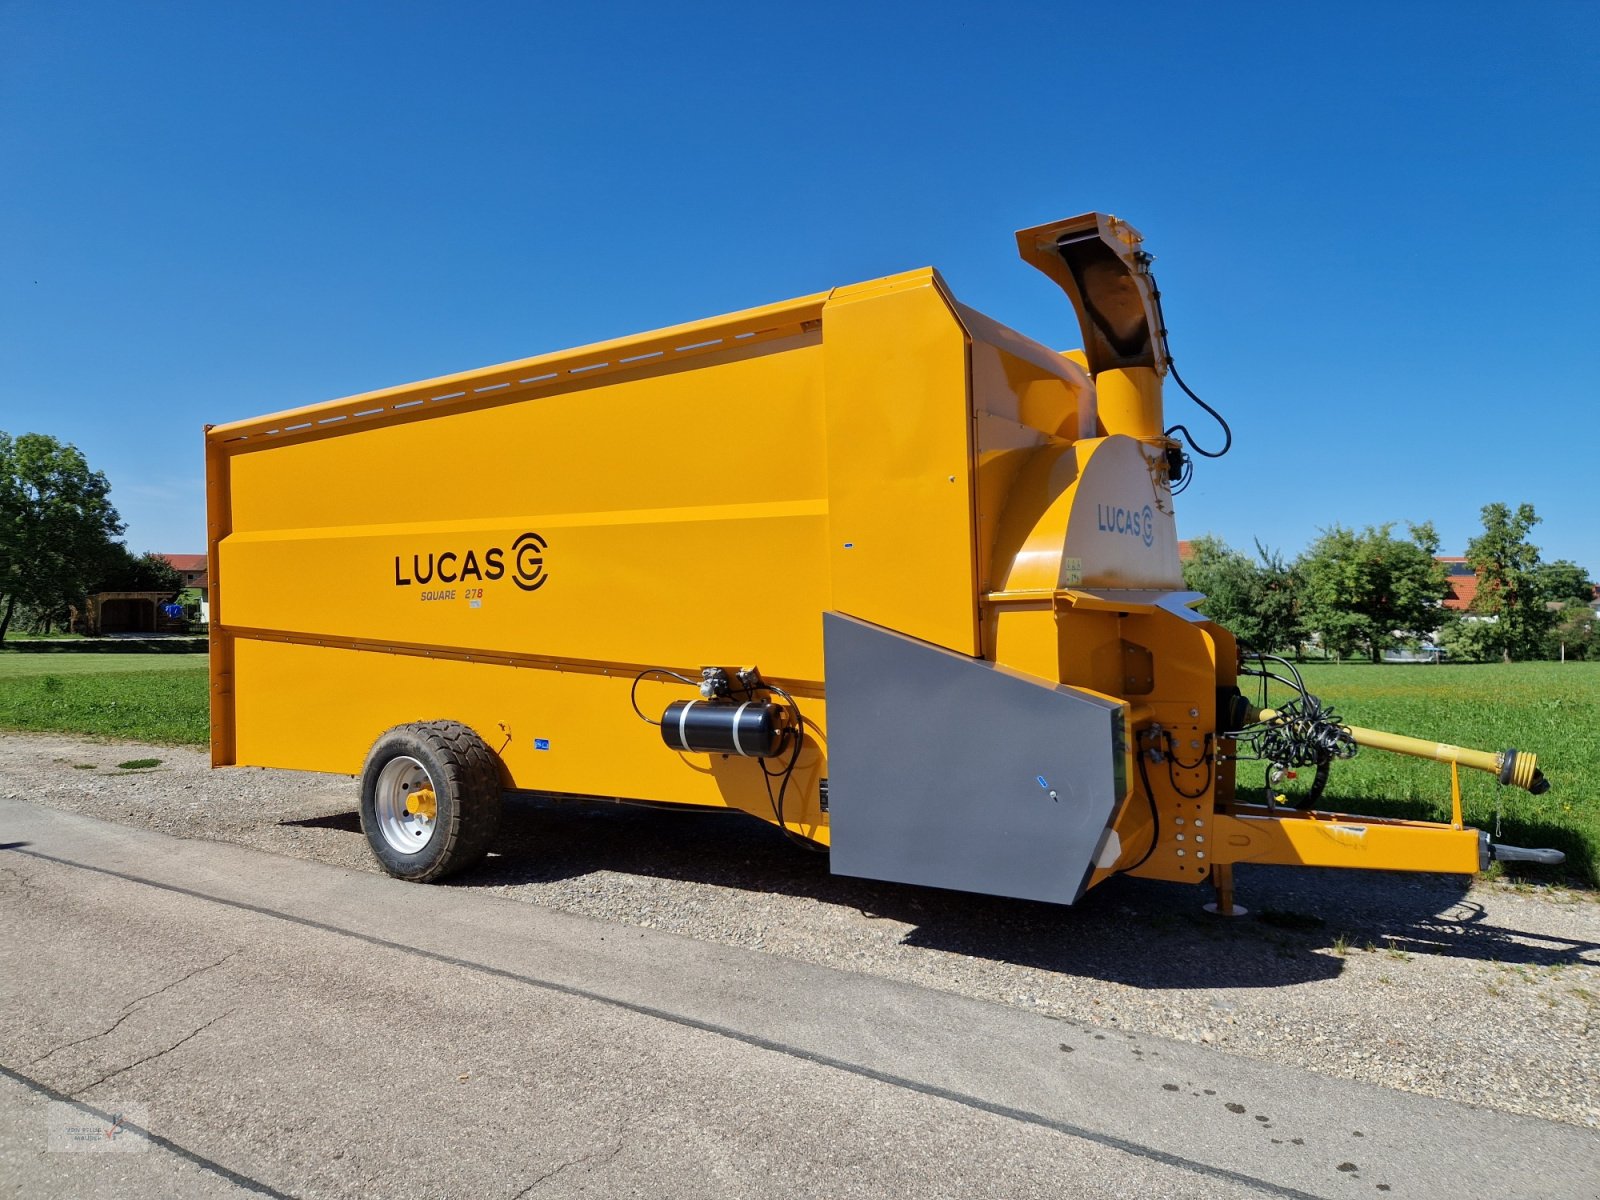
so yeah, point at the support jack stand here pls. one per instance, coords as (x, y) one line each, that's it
(1223, 905)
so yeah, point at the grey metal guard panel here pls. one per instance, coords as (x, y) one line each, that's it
(941, 769)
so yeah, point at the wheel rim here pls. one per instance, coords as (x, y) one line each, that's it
(405, 804)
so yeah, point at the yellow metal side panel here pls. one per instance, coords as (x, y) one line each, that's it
(320, 708)
(899, 443)
(1024, 397)
(1028, 638)
(1031, 533)
(678, 347)
(656, 440)
(675, 519)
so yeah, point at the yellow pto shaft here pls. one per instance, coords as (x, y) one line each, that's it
(1516, 767)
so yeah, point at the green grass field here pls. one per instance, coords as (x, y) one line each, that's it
(143, 697)
(21, 664)
(1552, 709)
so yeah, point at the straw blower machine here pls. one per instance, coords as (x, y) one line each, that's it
(867, 565)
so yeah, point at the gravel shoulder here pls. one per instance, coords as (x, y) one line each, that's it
(1487, 994)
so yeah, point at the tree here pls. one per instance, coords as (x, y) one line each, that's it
(56, 524)
(1508, 583)
(1575, 633)
(1280, 601)
(1371, 590)
(1223, 576)
(1462, 638)
(1563, 582)
(125, 571)
(1258, 604)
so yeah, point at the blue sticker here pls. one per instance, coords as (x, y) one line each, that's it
(1043, 782)
(541, 743)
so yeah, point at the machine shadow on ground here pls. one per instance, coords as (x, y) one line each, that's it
(1141, 933)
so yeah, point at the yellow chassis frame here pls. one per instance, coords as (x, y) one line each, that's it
(1289, 837)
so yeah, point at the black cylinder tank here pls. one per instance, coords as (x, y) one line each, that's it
(753, 729)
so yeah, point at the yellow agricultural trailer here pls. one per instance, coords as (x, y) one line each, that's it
(868, 565)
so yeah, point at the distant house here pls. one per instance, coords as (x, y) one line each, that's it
(192, 569)
(1462, 579)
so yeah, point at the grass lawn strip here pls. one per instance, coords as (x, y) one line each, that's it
(141, 697)
(19, 664)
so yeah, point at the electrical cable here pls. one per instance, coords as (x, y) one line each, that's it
(1161, 323)
(1185, 478)
(1155, 815)
(1173, 780)
(1205, 754)
(633, 692)
(788, 771)
(1206, 760)
(1227, 430)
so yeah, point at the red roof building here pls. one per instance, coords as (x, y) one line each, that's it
(1462, 579)
(192, 567)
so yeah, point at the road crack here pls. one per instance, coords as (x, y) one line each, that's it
(595, 1157)
(149, 1057)
(128, 1010)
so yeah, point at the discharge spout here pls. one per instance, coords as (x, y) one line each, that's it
(1097, 260)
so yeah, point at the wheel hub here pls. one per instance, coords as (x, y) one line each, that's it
(423, 803)
(405, 804)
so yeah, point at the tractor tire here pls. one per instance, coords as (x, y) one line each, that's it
(430, 799)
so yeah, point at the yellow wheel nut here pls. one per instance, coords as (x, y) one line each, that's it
(423, 803)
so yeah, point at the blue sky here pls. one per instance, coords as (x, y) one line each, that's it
(1375, 225)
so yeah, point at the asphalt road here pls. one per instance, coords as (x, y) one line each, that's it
(272, 1026)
